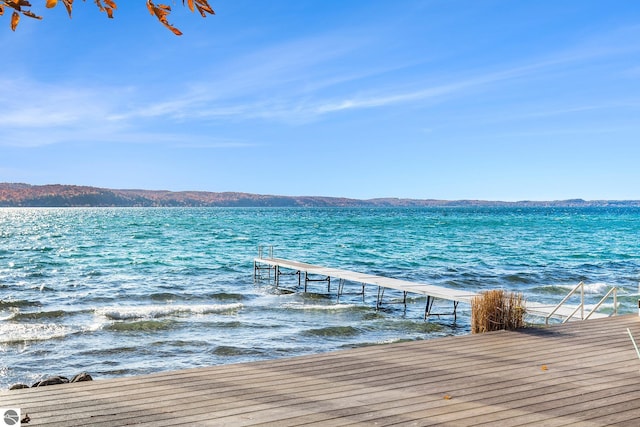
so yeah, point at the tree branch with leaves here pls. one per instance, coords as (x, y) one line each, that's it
(160, 11)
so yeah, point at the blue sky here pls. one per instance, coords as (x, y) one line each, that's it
(445, 99)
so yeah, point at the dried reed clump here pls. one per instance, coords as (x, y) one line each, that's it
(496, 310)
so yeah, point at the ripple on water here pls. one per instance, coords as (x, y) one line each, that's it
(230, 351)
(332, 332)
(141, 326)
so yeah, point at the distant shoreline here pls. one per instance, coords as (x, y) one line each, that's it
(56, 195)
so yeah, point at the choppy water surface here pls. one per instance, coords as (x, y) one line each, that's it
(129, 291)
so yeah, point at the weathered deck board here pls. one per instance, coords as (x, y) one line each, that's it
(592, 378)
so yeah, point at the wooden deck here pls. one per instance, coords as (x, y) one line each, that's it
(580, 373)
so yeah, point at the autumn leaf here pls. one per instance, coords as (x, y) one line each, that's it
(111, 6)
(107, 8)
(15, 18)
(544, 367)
(68, 4)
(160, 11)
(17, 5)
(203, 8)
(31, 14)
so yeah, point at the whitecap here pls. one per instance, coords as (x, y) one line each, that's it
(16, 332)
(155, 311)
(598, 288)
(605, 306)
(7, 315)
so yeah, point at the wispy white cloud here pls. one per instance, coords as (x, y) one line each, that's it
(36, 113)
(293, 84)
(298, 81)
(484, 80)
(33, 104)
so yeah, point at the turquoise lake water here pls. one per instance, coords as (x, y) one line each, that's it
(123, 291)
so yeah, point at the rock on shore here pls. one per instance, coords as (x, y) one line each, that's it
(54, 380)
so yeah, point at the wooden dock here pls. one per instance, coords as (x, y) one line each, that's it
(579, 373)
(369, 279)
(431, 292)
(306, 271)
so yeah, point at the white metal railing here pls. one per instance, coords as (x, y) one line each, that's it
(613, 291)
(580, 307)
(261, 251)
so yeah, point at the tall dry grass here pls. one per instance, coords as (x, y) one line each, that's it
(497, 310)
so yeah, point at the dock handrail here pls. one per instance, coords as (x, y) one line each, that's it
(261, 251)
(613, 290)
(580, 307)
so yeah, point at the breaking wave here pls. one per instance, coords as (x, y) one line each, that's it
(156, 311)
(589, 288)
(12, 332)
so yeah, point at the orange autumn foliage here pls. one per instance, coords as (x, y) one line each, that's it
(160, 11)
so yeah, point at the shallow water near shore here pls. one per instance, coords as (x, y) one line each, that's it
(130, 291)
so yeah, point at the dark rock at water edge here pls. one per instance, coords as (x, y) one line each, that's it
(51, 381)
(18, 386)
(54, 380)
(83, 376)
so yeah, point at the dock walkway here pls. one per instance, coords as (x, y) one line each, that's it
(382, 283)
(579, 373)
(430, 291)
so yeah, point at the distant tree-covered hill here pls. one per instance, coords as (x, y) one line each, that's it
(25, 195)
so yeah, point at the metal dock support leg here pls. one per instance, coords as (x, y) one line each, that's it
(427, 309)
(380, 296)
(340, 289)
